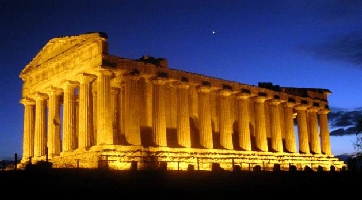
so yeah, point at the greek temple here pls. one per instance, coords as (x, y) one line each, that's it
(86, 108)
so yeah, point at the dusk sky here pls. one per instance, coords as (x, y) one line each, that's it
(291, 43)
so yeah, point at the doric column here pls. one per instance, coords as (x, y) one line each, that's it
(115, 112)
(205, 129)
(324, 132)
(85, 138)
(276, 131)
(159, 113)
(131, 118)
(244, 121)
(290, 142)
(28, 135)
(183, 121)
(313, 130)
(104, 113)
(260, 128)
(69, 116)
(302, 129)
(226, 130)
(54, 122)
(40, 134)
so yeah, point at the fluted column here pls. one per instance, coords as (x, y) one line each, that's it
(159, 113)
(226, 130)
(290, 142)
(302, 129)
(313, 128)
(28, 135)
(260, 127)
(131, 118)
(54, 122)
(324, 132)
(205, 130)
(244, 121)
(183, 121)
(104, 113)
(40, 134)
(69, 116)
(85, 138)
(276, 131)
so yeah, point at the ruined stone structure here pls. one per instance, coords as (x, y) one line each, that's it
(85, 108)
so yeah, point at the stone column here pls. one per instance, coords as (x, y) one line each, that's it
(313, 128)
(244, 121)
(40, 134)
(290, 142)
(302, 129)
(28, 135)
(69, 116)
(85, 111)
(131, 118)
(226, 128)
(183, 121)
(104, 113)
(260, 128)
(115, 114)
(276, 131)
(159, 113)
(205, 129)
(54, 122)
(324, 132)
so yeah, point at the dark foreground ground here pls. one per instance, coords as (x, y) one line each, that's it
(57, 183)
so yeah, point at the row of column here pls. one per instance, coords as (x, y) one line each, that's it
(79, 131)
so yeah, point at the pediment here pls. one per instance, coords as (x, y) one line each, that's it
(58, 46)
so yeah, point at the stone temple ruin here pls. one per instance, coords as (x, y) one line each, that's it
(85, 108)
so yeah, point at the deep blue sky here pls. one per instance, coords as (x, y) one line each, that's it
(291, 43)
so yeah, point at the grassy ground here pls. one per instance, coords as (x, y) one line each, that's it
(56, 183)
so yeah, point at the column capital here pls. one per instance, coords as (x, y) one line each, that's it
(313, 109)
(27, 101)
(324, 111)
(86, 78)
(69, 84)
(301, 107)
(274, 102)
(54, 91)
(182, 85)
(131, 77)
(204, 88)
(159, 81)
(259, 99)
(243, 96)
(41, 96)
(105, 72)
(225, 93)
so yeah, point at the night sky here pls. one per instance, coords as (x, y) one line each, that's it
(291, 43)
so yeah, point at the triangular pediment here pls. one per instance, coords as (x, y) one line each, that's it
(58, 46)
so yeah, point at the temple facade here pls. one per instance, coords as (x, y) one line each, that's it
(85, 108)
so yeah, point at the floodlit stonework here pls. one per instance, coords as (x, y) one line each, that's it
(85, 108)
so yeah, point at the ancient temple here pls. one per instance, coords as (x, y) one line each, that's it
(85, 108)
